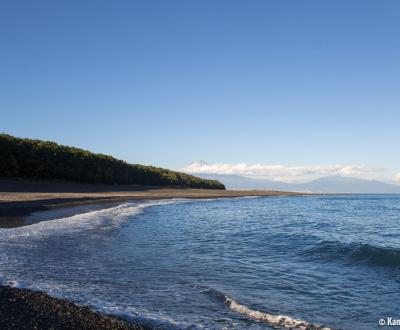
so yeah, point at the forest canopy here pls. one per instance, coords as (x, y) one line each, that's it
(37, 159)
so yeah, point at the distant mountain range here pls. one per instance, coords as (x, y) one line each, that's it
(328, 184)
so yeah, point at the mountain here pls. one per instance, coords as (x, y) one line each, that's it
(328, 184)
(341, 184)
(242, 182)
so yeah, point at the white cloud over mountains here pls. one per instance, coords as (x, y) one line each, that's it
(396, 177)
(278, 172)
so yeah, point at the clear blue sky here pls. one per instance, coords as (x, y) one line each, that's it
(169, 82)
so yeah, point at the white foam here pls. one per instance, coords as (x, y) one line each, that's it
(281, 321)
(104, 219)
(276, 320)
(139, 315)
(17, 284)
(143, 317)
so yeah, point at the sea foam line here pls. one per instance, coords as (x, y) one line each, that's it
(104, 219)
(141, 317)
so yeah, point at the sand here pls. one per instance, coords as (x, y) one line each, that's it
(18, 199)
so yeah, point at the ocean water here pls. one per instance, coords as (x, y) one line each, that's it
(244, 263)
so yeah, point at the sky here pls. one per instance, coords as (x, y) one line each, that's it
(308, 87)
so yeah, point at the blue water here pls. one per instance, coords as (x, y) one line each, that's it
(221, 264)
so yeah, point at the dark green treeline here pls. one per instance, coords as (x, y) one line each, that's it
(36, 159)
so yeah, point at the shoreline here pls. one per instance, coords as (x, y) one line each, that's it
(20, 199)
(28, 309)
(24, 203)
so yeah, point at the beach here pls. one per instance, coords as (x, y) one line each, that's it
(20, 198)
(26, 309)
(283, 260)
(199, 165)
(25, 202)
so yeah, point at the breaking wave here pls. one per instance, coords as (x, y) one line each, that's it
(104, 219)
(281, 321)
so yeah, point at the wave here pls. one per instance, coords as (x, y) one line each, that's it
(96, 220)
(104, 219)
(358, 252)
(281, 321)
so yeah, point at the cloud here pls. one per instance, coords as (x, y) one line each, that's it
(396, 177)
(281, 172)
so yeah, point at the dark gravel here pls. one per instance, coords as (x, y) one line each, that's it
(22, 309)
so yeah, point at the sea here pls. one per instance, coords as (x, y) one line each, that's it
(284, 262)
